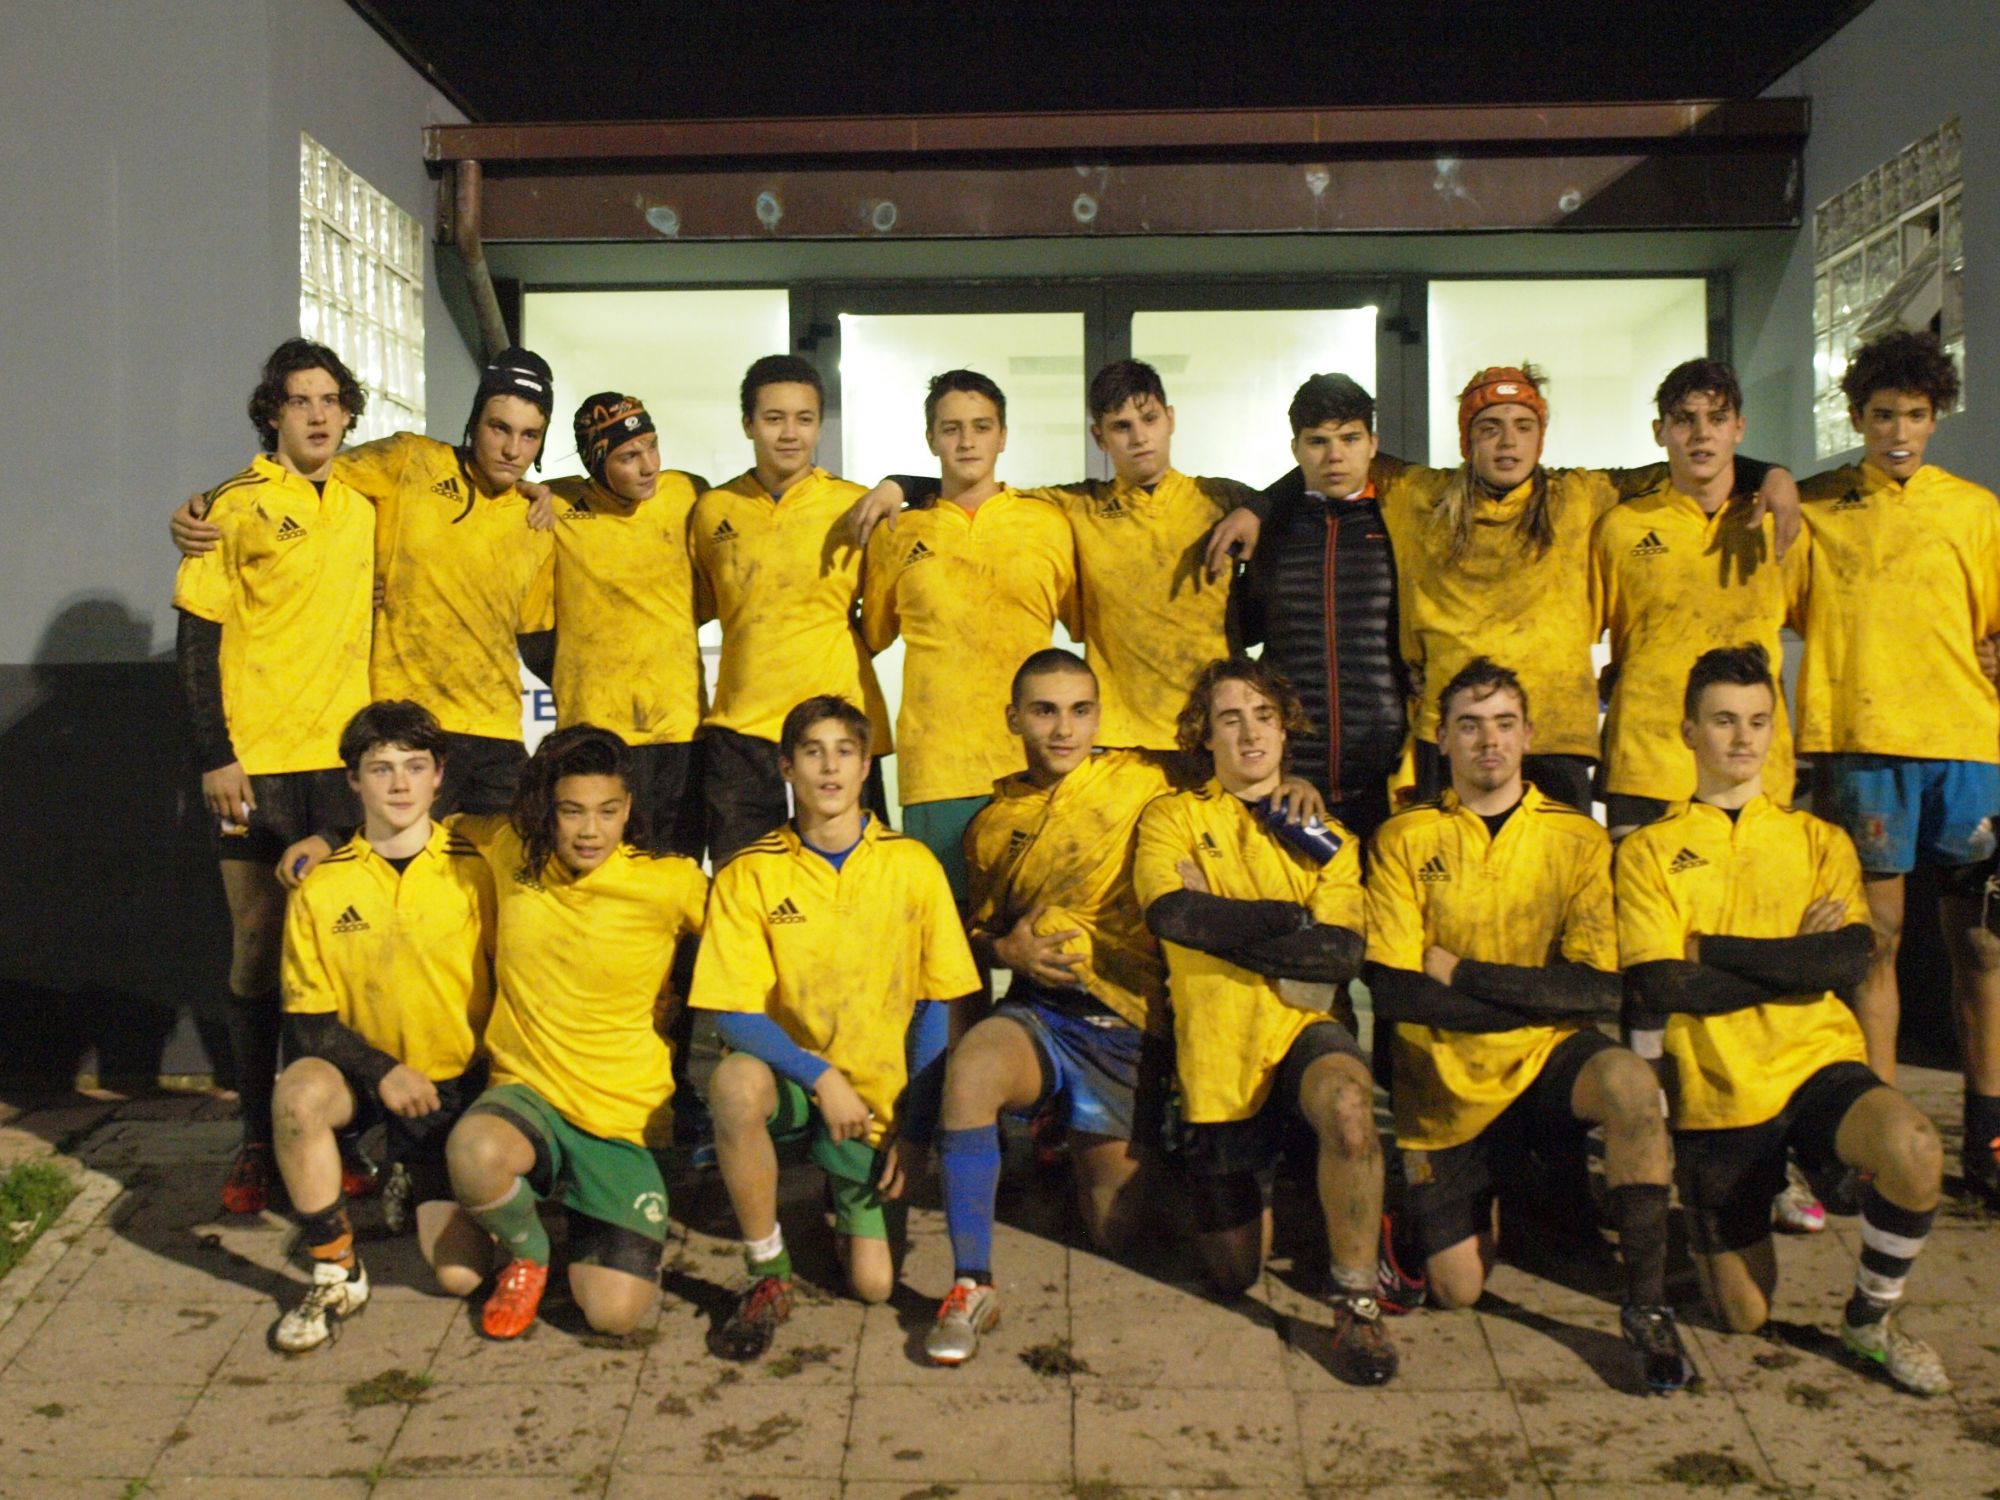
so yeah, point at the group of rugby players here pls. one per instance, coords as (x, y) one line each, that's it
(1182, 856)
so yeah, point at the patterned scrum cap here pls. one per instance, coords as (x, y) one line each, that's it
(1498, 385)
(606, 422)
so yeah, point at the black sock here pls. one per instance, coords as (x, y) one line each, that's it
(253, 1045)
(1891, 1239)
(1980, 1155)
(328, 1235)
(1639, 1214)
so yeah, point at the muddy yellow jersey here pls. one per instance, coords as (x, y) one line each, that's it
(1231, 1027)
(1670, 581)
(1905, 577)
(289, 583)
(626, 654)
(1538, 892)
(784, 586)
(973, 594)
(1151, 617)
(581, 968)
(838, 958)
(1695, 874)
(1068, 848)
(405, 961)
(1528, 611)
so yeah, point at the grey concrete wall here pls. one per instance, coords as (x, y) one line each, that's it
(148, 261)
(1889, 77)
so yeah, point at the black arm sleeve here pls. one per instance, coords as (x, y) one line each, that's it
(325, 1036)
(538, 654)
(1750, 474)
(917, 488)
(1401, 995)
(1813, 962)
(1215, 924)
(1318, 955)
(1674, 986)
(198, 648)
(1560, 989)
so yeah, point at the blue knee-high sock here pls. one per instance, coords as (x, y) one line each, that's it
(970, 1163)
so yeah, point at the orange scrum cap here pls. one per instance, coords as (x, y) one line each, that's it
(1498, 385)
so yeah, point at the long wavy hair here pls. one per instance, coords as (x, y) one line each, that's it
(580, 750)
(1453, 514)
(1195, 723)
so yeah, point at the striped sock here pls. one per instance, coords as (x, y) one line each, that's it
(1892, 1237)
(328, 1236)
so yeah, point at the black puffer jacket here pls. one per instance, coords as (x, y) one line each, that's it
(1320, 594)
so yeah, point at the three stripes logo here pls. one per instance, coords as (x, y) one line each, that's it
(723, 533)
(917, 554)
(290, 530)
(1017, 845)
(786, 911)
(350, 921)
(1684, 861)
(447, 487)
(525, 878)
(1209, 846)
(1851, 501)
(1111, 508)
(1433, 870)
(579, 510)
(1650, 545)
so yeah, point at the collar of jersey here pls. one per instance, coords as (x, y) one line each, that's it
(871, 829)
(1531, 798)
(1874, 481)
(1138, 494)
(432, 845)
(1757, 807)
(272, 472)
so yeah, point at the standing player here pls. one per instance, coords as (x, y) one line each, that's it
(1492, 948)
(582, 1073)
(1903, 725)
(1674, 572)
(388, 978)
(1240, 909)
(773, 567)
(974, 582)
(831, 943)
(1153, 614)
(273, 648)
(462, 576)
(1737, 919)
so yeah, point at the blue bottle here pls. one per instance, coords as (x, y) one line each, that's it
(1312, 838)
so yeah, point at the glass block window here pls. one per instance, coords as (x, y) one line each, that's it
(361, 287)
(1888, 252)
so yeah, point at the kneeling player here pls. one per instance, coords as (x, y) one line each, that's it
(582, 1073)
(1240, 909)
(387, 981)
(827, 943)
(1492, 948)
(1737, 919)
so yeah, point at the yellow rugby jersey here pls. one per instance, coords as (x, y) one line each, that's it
(1231, 1028)
(1151, 618)
(626, 654)
(403, 960)
(784, 587)
(1669, 582)
(973, 595)
(580, 962)
(1539, 891)
(1904, 578)
(463, 574)
(290, 584)
(1697, 873)
(1529, 613)
(1069, 848)
(839, 959)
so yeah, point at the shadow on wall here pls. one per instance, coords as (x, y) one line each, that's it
(113, 915)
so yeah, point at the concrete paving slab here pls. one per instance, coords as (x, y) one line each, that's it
(960, 1433)
(76, 1429)
(568, 1428)
(1464, 1442)
(1187, 1438)
(280, 1431)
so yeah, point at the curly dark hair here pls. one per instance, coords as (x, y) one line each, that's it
(580, 750)
(287, 360)
(1120, 381)
(1194, 725)
(1901, 361)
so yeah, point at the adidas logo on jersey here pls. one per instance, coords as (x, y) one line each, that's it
(1017, 844)
(785, 911)
(446, 487)
(1432, 870)
(579, 510)
(1687, 859)
(723, 533)
(290, 530)
(1851, 501)
(1209, 846)
(917, 554)
(523, 878)
(1111, 508)
(1650, 545)
(350, 921)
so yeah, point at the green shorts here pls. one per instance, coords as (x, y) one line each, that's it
(940, 827)
(613, 1183)
(852, 1167)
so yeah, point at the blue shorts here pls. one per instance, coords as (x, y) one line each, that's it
(1899, 810)
(1106, 1075)
(940, 827)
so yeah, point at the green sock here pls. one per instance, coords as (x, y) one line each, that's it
(768, 1257)
(511, 1219)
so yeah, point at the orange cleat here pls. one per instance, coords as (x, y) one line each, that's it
(247, 1189)
(514, 1302)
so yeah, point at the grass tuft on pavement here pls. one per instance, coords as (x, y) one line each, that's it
(33, 1195)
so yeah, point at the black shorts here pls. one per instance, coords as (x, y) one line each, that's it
(480, 774)
(418, 1144)
(1563, 777)
(1451, 1192)
(290, 806)
(1230, 1147)
(1623, 810)
(1727, 1178)
(745, 794)
(667, 792)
